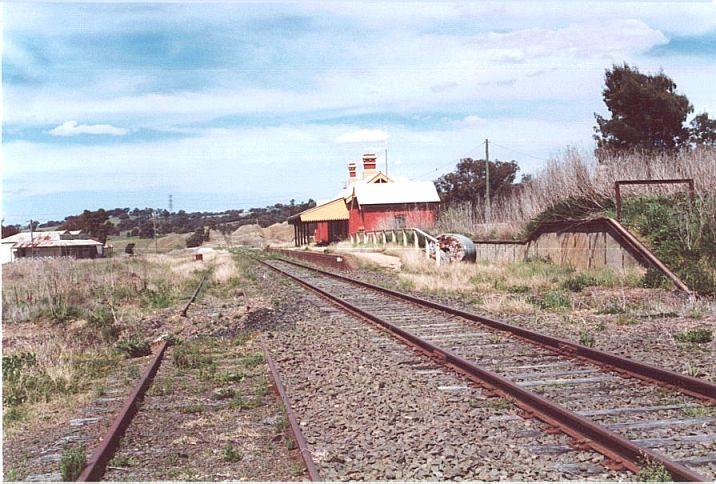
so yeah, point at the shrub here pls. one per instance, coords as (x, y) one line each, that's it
(654, 472)
(134, 347)
(586, 339)
(579, 282)
(698, 335)
(232, 453)
(72, 462)
(551, 300)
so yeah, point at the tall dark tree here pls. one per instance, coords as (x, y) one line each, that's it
(647, 114)
(467, 183)
(703, 130)
(96, 224)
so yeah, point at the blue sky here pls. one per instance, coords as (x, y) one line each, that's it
(236, 104)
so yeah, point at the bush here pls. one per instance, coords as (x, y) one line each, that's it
(579, 282)
(698, 335)
(73, 460)
(551, 300)
(134, 347)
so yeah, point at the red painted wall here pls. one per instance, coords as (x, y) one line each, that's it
(377, 217)
(321, 232)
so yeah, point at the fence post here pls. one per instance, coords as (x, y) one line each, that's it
(382, 234)
(415, 240)
(427, 248)
(437, 255)
(405, 239)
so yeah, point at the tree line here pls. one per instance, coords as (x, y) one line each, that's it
(142, 222)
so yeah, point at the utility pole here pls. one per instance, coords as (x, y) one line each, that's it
(488, 209)
(154, 222)
(171, 204)
(32, 240)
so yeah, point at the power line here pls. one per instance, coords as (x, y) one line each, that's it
(517, 151)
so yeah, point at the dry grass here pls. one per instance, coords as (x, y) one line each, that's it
(578, 175)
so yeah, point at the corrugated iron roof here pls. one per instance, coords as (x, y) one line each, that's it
(333, 210)
(50, 238)
(403, 192)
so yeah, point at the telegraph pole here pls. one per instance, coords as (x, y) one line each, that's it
(32, 241)
(488, 209)
(154, 222)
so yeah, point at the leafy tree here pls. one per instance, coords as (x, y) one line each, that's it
(647, 113)
(197, 238)
(467, 183)
(703, 130)
(96, 224)
(8, 230)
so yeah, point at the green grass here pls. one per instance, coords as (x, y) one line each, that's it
(552, 300)
(654, 472)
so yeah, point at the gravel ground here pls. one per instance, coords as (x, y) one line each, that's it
(644, 332)
(371, 409)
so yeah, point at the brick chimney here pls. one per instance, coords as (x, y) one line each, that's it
(369, 164)
(352, 175)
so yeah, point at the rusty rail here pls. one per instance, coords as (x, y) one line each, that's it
(292, 421)
(587, 434)
(196, 293)
(97, 464)
(688, 385)
(335, 261)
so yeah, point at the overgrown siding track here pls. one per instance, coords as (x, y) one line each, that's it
(645, 422)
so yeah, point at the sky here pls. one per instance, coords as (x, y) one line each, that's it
(228, 105)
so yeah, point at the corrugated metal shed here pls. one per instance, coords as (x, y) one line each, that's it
(53, 238)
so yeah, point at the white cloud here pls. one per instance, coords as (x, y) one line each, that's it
(473, 120)
(363, 135)
(71, 128)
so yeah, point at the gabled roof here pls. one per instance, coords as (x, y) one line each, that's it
(403, 192)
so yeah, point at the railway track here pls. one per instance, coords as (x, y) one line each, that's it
(195, 393)
(634, 414)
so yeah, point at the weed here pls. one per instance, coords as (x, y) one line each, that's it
(579, 282)
(230, 377)
(261, 388)
(10, 475)
(72, 462)
(586, 338)
(698, 335)
(224, 393)
(121, 461)
(625, 320)
(612, 309)
(161, 387)
(281, 424)
(242, 403)
(701, 411)
(551, 300)
(160, 298)
(190, 357)
(253, 360)
(290, 444)
(232, 453)
(500, 404)
(297, 469)
(134, 347)
(173, 340)
(133, 372)
(601, 326)
(654, 472)
(518, 289)
(192, 408)
(13, 414)
(693, 371)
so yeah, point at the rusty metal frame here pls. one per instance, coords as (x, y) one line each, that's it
(668, 181)
(95, 468)
(292, 421)
(621, 452)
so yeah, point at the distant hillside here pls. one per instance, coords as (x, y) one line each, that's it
(128, 223)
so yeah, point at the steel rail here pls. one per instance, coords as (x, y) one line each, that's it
(196, 293)
(306, 455)
(587, 434)
(694, 387)
(94, 470)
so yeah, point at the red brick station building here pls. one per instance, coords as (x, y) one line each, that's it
(376, 202)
